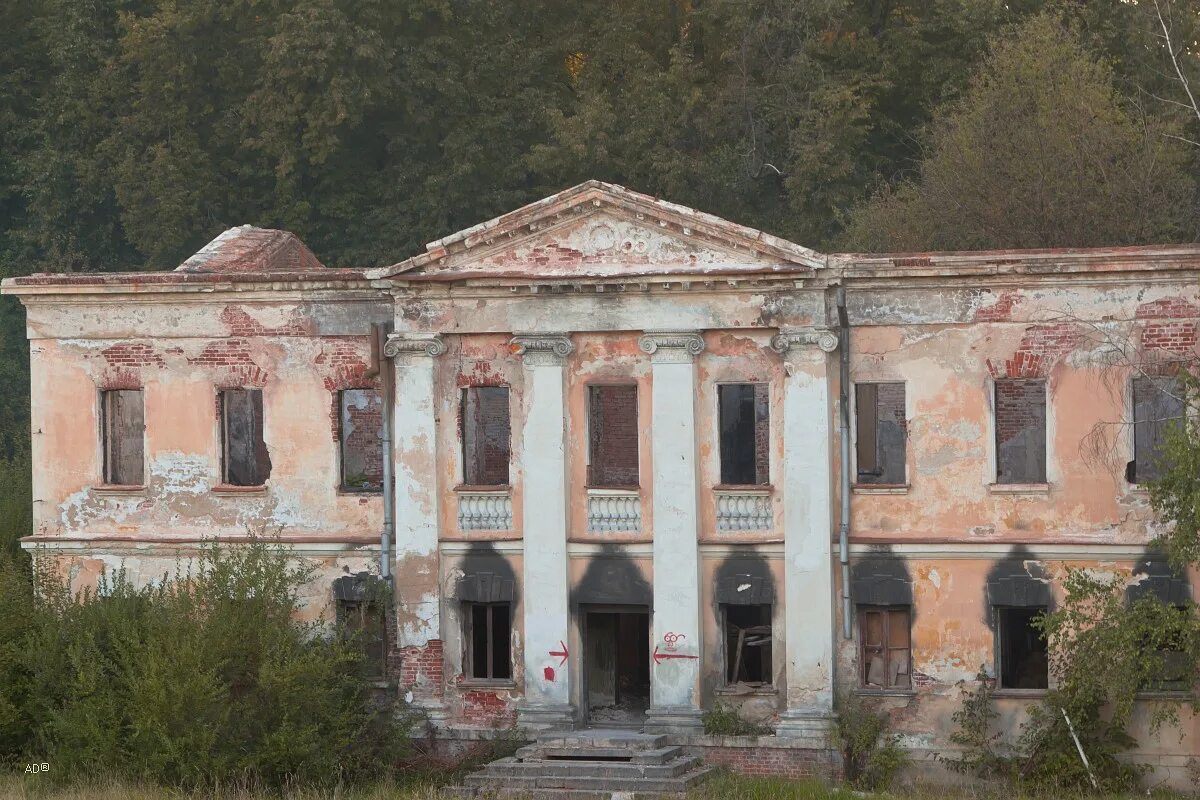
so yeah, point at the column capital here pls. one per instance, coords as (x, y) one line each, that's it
(789, 338)
(542, 349)
(414, 344)
(671, 347)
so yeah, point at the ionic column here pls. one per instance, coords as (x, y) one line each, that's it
(808, 528)
(414, 454)
(674, 681)
(545, 599)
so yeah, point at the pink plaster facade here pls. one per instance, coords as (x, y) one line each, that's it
(602, 268)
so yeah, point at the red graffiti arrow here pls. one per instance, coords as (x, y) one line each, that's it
(560, 653)
(659, 657)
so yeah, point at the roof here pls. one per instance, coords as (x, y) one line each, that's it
(250, 249)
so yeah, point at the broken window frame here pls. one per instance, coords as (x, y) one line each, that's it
(593, 439)
(491, 639)
(114, 439)
(890, 652)
(1138, 474)
(759, 463)
(1004, 643)
(999, 476)
(866, 436)
(261, 467)
(365, 623)
(473, 479)
(732, 651)
(343, 484)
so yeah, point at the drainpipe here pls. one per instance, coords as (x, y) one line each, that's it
(380, 367)
(844, 434)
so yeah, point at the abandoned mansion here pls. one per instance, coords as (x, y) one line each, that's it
(623, 462)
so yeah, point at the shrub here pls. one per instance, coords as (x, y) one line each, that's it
(870, 757)
(205, 678)
(974, 734)
(724, 720)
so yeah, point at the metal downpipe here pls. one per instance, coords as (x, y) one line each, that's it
(844, 436)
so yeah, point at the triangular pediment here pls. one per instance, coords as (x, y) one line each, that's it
(601, 230)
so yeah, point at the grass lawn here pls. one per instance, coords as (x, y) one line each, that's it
(725, 786)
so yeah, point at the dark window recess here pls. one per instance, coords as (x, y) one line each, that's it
(489, 629)
(885, 651)
(1024, 658)
(612, 436)
(362, 439)
(244, 458)
(1157, 409)
(363, 624)
(748, 644)
(486, 435)
(123, 428)
(1174, 664)
(744, 410)
(1021, 431)
(882, 432)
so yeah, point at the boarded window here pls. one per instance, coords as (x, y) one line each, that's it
(361, 423)
(1157, 408)
(744, 410)
(1021, 431)
(244, 458)
(489, 629)
(748, 644)
(1024, 658)
(122, 433)
(885, 653)
(612, 436)
(486, 435)
(363, 624)
(882, 433)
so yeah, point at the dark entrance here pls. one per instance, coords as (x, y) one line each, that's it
(616, 667)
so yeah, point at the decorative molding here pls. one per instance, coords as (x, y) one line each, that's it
(671, 347)
(485, 511)
(542, 349)
(407, 344)
(614, 511)
(823, 338)
(744, 511)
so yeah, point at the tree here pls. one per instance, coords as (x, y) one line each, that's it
(1041, 151)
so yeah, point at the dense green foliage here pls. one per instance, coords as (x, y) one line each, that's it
(203, 679)
(871, 757)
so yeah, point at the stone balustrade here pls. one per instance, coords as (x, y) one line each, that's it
(485, 511)
(744, 510)
(614, 511)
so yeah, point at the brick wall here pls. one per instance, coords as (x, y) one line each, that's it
(361, 438)
(1021, 431)
(487, 435)
(747, 756)
(613, 436)
(418, 668)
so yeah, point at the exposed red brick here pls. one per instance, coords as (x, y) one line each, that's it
(483, 707)
(119, 378)
(242, 324)
(419, 668)
(1169, 308)
(1001, 310)
(1040, 349)
(250, 249)
(132, 354)
(787, 762)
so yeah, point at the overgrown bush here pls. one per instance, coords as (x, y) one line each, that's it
(724, 720)
(200, 679)
(980, 756)
(870, 755)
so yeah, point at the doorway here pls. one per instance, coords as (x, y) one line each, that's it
(616, 666)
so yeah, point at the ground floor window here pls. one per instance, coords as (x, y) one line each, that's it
(747, 644)
(488, 637)
(885, 646)
(364, 623)
(1021, 649)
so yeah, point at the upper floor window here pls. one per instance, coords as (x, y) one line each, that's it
(122, 425)
(244, 457)
(881, 444)
(361, 436)
(1020, 431)
(1157, 407)
(486, 435)
(612, 436)
(744, 410)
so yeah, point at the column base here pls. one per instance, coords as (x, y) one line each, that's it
(540, 718)
(682, 720)
(812, 729)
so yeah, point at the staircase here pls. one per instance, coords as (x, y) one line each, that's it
(589, 765)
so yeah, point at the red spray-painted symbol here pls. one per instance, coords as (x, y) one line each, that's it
(671, 642)
(548, 673)
(661, 657)
(560, 653)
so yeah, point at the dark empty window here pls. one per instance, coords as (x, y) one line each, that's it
(361, 418)
(748, 644)
(363, 623)
(744, 410)
(489, 628)
(122, 433)
(1157, 408)
(885, 652)
(880, 448)
(486, 435)
(612, 436)
(244, 459)
(1021, 431)
(1024, 658)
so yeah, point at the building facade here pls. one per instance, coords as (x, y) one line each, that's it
(643, 461)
